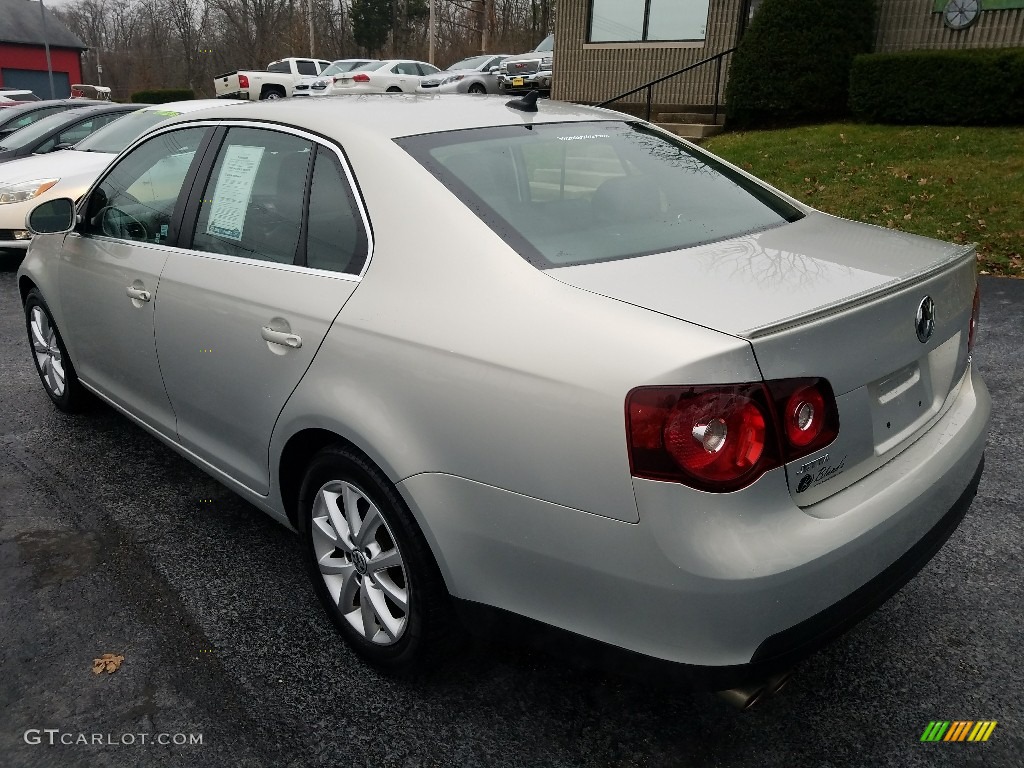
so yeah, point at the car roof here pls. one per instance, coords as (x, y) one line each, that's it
(32, 106)
(392, 116)
(192, 105)
(99, 107)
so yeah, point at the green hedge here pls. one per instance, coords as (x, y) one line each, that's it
(964, 87)
(793, 62)
(162, 95)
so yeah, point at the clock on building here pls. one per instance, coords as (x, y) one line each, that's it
(960, 14)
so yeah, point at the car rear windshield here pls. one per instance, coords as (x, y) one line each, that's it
(341, 66)
(280, 67)
(576, 193)
(118, 135)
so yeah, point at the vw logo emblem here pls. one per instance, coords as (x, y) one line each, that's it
(925, 322)
(359, 561)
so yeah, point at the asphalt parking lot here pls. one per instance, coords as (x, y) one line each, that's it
(109, 542)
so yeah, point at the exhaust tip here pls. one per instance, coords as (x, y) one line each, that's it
(745, 697)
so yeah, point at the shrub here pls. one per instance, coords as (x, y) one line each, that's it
(162, 95)
(964, 87)
(793, 63)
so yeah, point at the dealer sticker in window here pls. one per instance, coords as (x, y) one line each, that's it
(234, 187)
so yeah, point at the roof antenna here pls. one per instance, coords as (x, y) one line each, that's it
(526, 104)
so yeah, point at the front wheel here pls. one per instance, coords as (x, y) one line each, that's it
(394, 89)
(370, 565)
(51, 356)
(477, 88)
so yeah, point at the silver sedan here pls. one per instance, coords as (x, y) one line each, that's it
(476, 74)
(625, 390)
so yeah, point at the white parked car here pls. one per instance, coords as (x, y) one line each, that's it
(307, 86)
(475, 74)
(389, 76)
(28, 181)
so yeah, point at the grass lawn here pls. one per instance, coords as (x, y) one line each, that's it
(958, 184)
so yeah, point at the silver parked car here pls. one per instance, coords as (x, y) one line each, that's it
(529, 71)
(476, 74)
(627, 390)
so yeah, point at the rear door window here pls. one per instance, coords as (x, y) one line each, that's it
(306, 67)
(252, 204)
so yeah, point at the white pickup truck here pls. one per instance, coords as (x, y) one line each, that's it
(276, 82)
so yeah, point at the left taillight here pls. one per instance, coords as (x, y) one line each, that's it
(975, 313)
(723, 438)
(243, 81)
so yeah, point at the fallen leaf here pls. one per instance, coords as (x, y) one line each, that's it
(108, 662)
(907, 216)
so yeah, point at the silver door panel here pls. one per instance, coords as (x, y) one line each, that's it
(112, 331)
(235, 337)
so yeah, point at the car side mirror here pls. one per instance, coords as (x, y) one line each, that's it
(65, 145)
(493, 69)
(54, 217)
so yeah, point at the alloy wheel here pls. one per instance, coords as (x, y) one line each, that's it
(47, 352)
(360, 562)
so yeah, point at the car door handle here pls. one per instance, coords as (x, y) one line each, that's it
(280, 337)
(138, 293)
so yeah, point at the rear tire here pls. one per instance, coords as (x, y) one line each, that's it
(53, 364)
(271, 93)
(370, 565)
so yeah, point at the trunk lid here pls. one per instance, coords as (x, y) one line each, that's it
(825, 297)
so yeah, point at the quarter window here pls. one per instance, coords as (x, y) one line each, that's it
(335, 239)
(630, 21)
(252, 204)
(136, 200)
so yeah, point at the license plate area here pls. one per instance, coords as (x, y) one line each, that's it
(901, 402)
(517, 82)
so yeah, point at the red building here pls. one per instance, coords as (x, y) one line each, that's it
(23, 34)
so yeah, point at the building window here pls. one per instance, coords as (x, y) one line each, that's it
(637, 21)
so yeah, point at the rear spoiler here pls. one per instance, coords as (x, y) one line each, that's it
(957, 256)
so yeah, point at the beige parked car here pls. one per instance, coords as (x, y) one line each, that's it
(555, 367)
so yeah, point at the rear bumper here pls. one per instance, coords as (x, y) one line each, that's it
(726, 586)
(779, 652)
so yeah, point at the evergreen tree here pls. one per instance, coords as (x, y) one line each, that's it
(793, 63)
(371, 24)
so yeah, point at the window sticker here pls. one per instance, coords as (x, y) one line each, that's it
(234, 187)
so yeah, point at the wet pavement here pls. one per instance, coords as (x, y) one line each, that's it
(109, 542)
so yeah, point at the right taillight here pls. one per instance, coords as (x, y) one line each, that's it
(243, 81)
(975, 312)
(723, 438)
(361, 78)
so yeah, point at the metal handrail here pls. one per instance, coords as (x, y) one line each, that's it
(650, 86)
